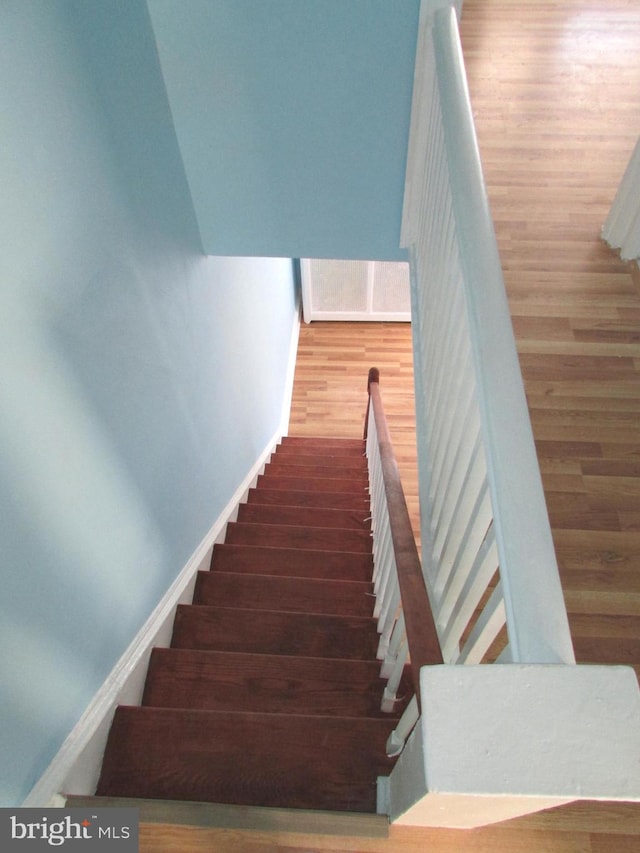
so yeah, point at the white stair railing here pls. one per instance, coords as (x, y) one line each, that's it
(487, 547)
(532, 729)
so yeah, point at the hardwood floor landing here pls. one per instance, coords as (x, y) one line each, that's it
(330, 389)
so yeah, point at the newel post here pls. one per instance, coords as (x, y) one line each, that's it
(374, 376)
(496, 742)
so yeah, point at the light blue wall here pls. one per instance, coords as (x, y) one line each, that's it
(306, 104)
(139, 380)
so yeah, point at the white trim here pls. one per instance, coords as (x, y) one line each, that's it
(76, 767)
(361, 317)
(293, 352)
(305, 282)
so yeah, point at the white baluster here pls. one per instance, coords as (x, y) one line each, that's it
(398, 737)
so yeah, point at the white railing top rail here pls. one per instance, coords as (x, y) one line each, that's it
(535, 611)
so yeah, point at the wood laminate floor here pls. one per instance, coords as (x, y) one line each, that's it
(555, 88)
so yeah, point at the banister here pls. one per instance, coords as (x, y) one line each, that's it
(538, 631)
(422, 636)
(478, 468)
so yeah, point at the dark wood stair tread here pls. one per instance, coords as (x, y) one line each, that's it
(276, 592)
(246, 758)
(237, 681)
(296, 459)
(336, 446)
(276, 480)
(293, 562)
(337, 472)
(293, 536)
(310, 498)
(271, 632)
(301, 516)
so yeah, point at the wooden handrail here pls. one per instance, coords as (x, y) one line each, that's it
(422, 636)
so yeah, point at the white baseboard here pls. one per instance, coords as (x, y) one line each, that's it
(76, 767)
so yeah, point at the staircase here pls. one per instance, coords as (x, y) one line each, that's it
(270, 693)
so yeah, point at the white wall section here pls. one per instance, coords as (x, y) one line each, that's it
(292, 117)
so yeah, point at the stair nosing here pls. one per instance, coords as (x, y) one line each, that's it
(309, 499)
(267, 473)
(209, 572)
(320, 460)
(259, 714)
(325, 472)
(365, 533)
(267, 488)
(257, 507)
(284, 548)
(297, 506)
(362, 482)
(306, 658)
(297, 551)
(279, 612)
